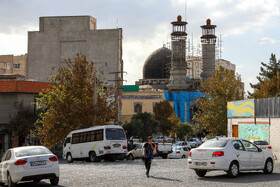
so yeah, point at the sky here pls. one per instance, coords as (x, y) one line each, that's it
(249, 28)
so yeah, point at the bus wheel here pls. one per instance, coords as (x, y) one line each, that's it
(69, 158)
(93, 157)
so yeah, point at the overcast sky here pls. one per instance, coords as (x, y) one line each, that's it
(249, 28)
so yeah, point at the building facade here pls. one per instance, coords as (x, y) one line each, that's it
(60, 38)
(13, 65)
(256, 119)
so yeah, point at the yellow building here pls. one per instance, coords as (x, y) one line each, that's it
(136, 100)
(13, 65)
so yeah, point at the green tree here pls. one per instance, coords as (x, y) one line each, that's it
(184, 130)
(22, 123)
(222, 87)
(77, 99)
(267, 71)
(164, 112)
(141, 125)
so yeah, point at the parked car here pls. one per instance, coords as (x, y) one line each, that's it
(262, 144)
(179, 152)
(137, 152)
(163, 149)
(28, 163)
(183, 144)
(195, 142)
(231, 155)
(207, 138)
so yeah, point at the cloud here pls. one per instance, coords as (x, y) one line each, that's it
(267, 40)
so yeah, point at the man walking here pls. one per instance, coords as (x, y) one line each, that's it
(148, 154)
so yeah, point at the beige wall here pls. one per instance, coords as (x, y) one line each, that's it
(7, 64)
(147, 104)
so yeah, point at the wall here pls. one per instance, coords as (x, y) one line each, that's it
(128, 104)
(11, 60)
(63, 37)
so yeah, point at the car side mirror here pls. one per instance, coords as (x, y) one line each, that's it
(260, 150)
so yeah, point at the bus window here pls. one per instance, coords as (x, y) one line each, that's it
(115, 134)
(67, 140)
(76, 138)
(99, 135)
(92, 136)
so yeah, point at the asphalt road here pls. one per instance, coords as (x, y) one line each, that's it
(163, 173)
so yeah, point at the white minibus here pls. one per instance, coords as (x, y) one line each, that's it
(95, 143)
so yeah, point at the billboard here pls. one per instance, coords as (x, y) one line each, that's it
(254, 131)
(244, 108)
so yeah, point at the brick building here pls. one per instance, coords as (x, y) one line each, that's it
(13, 65)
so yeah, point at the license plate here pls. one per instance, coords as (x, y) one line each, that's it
(117, 145)
(38, 163)
(201, 163)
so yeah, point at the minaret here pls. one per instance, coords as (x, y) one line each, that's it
(208, 41)
(177, 81)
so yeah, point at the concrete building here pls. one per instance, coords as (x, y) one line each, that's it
(12, 93)
(256, 119)
(178, 71)
(62, 37)
(208, 42)
(13, 65)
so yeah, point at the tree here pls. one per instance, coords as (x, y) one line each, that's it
(267, 71)
(164, 112)
(184, 130)
(268, 88)
(77, 99)
(141, 125)
(22, 122)
(222, 87)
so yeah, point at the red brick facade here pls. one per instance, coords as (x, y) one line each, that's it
(23, 86)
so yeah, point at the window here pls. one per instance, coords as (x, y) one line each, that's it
(92, 135)
(32, 152)
(115, 134)
(240, 145)
(137, 107)
(250, 147)
(67, 140)
(16, 66)
(7, 156)
(76, 138)
(99, 135)
(214, 143)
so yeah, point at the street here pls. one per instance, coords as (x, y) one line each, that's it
(163, 173)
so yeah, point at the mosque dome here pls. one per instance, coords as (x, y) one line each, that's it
(157, 65)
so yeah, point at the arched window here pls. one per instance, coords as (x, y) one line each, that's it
(137, 107)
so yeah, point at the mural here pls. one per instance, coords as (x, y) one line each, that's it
(245, 108)
(254, 131)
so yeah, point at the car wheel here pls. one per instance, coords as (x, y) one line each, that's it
(233, 170)
(54, 181)
(183, 156)
(10, 182)
(268, 167)
(130, 157)
(93, 157)
(164, 156)
(69, 158)
(201, 173)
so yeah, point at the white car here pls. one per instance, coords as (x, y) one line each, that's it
(195, 142)
(179, 152)
(137, 152)
(183, 144)
(262, 144)
(27, 164)
(231, 155)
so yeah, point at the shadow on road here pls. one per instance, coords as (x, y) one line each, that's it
(166, 179)
(37, 184)
(244, 177)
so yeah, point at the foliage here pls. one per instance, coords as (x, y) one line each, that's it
(70, 103)
(164, 113)
(222, 87)
(268, 88)
(141, 125)
(184, 130)
(267, 72)
(22, 122)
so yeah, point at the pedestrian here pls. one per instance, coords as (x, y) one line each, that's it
(148, 154)
(131, 142)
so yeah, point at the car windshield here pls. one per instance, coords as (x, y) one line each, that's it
(115, 134)
(32, 152)
(214, 143)
(260, 142)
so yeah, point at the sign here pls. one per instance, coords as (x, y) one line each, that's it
(244, 108)
(254, 131)
(141, 96)
(130, 88)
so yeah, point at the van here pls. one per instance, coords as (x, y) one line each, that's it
(95, 143)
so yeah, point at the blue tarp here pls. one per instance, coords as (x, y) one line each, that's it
(182, 99)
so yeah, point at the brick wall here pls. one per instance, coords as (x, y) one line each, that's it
(23, 86)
